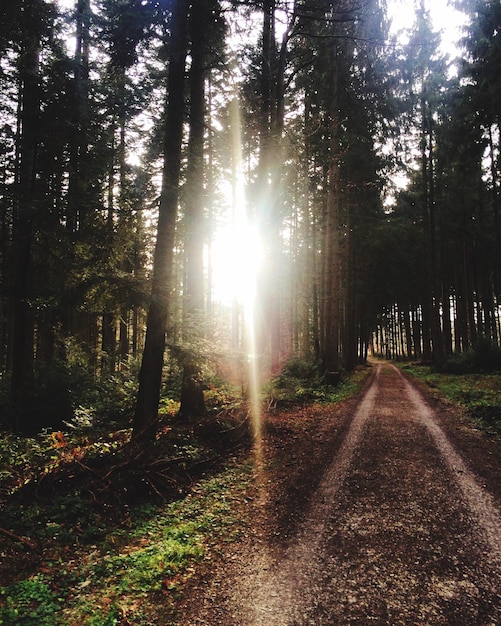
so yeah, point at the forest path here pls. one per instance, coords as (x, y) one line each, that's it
(398, 530)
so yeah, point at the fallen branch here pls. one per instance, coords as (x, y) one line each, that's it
(26, 542)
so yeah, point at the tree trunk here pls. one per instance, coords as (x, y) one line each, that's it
(78, 174)
(331, 286)
(22, 380)
(192, 397)
(150, 375)
(265, 302)
(432, 306)
(350, 326)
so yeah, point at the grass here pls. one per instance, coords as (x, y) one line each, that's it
(107, 547)
(108, 559)
(301, 382)
(117, 578)
(479, 393)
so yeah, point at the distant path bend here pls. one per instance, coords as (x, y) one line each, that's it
(398, 532)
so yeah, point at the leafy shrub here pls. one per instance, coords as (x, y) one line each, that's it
(484, 356)
(28, 603)
(112, 618)
(168, 407)
(300, 381)
(299, 370)
(115, 396)
(305, 369)
(222, 398)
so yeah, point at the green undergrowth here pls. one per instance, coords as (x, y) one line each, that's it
(479, 393)
(94, 543)
(302, 382)
(117, 580)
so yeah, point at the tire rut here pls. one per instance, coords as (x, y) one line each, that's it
(399, 532)
(479, 502)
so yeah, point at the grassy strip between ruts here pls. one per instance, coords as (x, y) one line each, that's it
(114, 582)
(479, 393)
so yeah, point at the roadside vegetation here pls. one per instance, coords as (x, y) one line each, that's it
(472, 379)
(111, 572)
(91, 537)
(302, 381)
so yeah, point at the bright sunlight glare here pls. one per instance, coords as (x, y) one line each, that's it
(237, 255)
(236, 259)
(445, 19)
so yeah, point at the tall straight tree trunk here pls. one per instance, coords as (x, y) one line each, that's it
(150, 375)
(469, 296)
(439, 355)
(265, 202)
(128, 219)
(332, 286)
(21, 390)
(446, 320)
(277, 121)
(210, 195)
(271, 175)
(316, 291)
(408, 332)
(311, 228)
(462, 340)
(108, 319)
(80, 323)
(5, 247)
(192, 397)
(431, 321)
(495, 203)
(78, 174)
(350, 334)
(417, 335)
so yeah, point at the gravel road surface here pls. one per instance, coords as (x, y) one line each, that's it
(387, 513)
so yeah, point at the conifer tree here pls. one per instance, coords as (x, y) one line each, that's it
(150, 377)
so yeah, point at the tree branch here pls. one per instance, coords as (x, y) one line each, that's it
(26, 542)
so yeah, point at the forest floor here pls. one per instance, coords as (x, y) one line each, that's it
(384, 509)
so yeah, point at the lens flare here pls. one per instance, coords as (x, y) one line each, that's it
(247, 257)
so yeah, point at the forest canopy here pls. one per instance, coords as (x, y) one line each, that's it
(190, 186)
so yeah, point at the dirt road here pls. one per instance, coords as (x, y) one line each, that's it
(388, 514)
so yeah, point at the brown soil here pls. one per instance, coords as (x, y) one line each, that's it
(383, 510)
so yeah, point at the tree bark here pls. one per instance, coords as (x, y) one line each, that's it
(78, 174)
(22, 380)
(150, 375)
(192, 397)
(331, 286)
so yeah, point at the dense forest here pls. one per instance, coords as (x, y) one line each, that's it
(344, 176)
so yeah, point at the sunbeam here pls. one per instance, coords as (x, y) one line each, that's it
(245, 265)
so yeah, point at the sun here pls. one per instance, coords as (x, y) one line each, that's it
(236, 252)
(236, 257)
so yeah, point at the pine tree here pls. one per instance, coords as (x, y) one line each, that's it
(150, 377)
